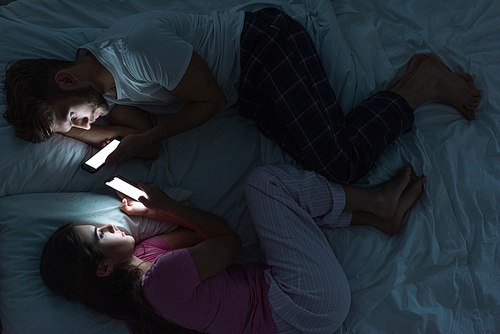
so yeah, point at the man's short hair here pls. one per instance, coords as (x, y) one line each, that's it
(30, 94)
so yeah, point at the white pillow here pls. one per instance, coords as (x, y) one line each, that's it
(26, 305)
(55, 166)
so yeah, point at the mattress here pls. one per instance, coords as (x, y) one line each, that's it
(439, 274)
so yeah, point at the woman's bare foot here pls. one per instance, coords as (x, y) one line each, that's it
(433, 80)
(387, 195)
(407, 200)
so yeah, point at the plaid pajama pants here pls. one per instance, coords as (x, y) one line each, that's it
(284, 88)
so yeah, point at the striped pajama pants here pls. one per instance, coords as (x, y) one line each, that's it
(309, 292)
(284, 88)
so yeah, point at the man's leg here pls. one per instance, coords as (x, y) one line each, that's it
(284, 88)
(428, 79)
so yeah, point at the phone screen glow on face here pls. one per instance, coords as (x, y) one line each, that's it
(126, 188)
(98, 159)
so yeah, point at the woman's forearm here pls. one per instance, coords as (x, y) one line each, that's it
(205, 223)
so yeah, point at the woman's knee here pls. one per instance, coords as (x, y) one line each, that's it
(261, 177)
(338, 299)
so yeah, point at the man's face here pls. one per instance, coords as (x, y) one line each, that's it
(79, 110)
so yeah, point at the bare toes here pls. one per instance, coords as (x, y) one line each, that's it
(389, 193)
(408, 199)
(468, 114)
(466, 76)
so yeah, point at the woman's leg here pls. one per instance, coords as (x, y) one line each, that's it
(391, 224)
(287, 204)
(309, 292)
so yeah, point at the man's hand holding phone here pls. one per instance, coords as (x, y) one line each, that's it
(97, 161)
(131, 146)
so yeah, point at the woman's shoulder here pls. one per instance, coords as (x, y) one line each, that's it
(151, 248)
(173, 272)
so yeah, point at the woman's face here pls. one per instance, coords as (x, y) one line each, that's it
(113, 243)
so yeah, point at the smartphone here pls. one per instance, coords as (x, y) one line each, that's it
(96, 162)
(125, 186)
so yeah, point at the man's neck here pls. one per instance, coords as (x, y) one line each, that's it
(91, 70)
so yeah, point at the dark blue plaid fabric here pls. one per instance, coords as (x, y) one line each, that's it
(284, 88)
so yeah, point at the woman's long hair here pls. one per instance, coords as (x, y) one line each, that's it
(68, 266)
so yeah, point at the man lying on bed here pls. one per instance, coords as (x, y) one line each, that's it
(270, 67)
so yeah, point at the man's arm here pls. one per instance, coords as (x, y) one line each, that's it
(125, 120)
(206, 99)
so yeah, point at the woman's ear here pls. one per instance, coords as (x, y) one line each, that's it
(104, 269)
(65, 79)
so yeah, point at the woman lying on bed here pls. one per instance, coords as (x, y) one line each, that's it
(188, 277)
(270, 66)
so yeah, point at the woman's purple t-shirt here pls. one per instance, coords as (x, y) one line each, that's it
(233, 301)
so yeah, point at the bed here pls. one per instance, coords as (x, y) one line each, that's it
(439, 274)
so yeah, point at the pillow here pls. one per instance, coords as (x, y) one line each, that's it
(54, 166)
(26, 305)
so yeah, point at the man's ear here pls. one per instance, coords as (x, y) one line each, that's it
(65, 79)
(104, 269)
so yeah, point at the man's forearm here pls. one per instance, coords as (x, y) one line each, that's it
(189, 117)
(99, 134)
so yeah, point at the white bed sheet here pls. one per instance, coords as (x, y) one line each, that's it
(439, 275)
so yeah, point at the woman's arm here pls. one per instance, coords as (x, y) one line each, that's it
(220, 244)
(181, 238)
(206, 99)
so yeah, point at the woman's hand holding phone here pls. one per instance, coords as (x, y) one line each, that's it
(146, 200)
(134, 208)
(130, 193)
(157, 200)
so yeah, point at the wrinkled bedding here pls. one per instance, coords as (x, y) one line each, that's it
(438, 275)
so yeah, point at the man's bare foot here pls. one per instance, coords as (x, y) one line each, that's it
(407, 200)
(455, 88)
(413, 66)
(387, 195)
(433, 80)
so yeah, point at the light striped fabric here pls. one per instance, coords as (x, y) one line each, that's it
(309, 292)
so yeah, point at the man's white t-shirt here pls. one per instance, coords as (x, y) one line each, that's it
(148, 54)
